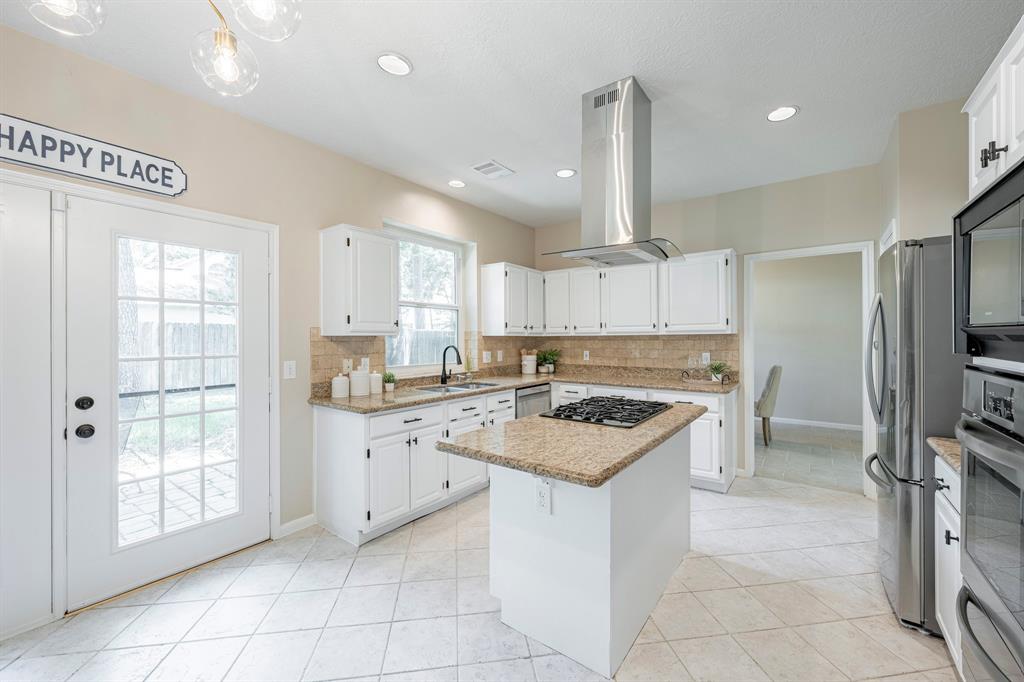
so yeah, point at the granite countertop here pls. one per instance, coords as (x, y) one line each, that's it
(403, 398)
(584, 454)
(948, 449)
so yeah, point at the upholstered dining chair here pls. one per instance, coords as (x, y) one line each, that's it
(764, 407)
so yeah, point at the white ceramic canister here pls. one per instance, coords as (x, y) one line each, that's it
(376, 383)
(339, 386)
(529, 364)
(360, 384)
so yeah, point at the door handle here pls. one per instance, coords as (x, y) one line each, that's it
(878, 480)
(85, 431)
(85, 402)
(962, 598)
(950, 537)
(877, 405)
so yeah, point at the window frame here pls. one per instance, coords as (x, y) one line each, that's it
(459, 249)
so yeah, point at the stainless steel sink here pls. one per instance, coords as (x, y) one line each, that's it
(468, 386)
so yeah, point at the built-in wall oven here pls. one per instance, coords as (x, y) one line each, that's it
(991, 601)
(988, 287)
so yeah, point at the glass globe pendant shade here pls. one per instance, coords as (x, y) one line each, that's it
(70, 17)
(225, 63)
(273, 20)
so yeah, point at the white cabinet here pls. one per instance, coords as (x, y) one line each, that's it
(534, 302)
(616, 392)
(464, 473)
(697, 293)
(556, 302)
(563, 394)
(428, 468)
(712, 438)
(507, 292)
(388, 479)
(585, 301)
(358, 282)
(995, 116)
(948, 579)
(629, 299)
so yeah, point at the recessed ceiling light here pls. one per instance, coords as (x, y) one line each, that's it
(565, 172)
(457, 184)
(395, 64)
(782, 113)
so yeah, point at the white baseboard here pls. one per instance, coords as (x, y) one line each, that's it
(811, 422)
(296, 525)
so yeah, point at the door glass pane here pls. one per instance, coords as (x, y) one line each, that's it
(177, 376)
(995, 269)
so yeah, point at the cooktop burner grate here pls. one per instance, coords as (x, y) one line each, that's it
(621, 412)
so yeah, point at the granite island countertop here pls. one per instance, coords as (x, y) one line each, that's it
(575, 452)
(948, 449)
(406, 397)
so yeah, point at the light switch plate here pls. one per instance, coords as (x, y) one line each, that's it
(543, 496)
(705, 358)
(364, 364)
(346, 365)
(487, 356)
(289, 369)
(501, 355)
(586, 356)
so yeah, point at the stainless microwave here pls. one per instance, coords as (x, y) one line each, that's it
(988, 291)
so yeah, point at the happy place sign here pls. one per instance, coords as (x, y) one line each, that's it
(44, 147)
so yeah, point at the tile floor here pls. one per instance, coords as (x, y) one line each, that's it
(830, 458)
(781, 584)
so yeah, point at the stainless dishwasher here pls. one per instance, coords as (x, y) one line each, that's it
(532, 400)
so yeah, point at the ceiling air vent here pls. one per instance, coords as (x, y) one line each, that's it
(492, 169)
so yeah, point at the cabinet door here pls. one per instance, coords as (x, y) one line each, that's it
(983, 126)
(694, 297)
(374, 268)
(515, 300)
(389, 478)
(1013, 103)
(556, 302)
(462, 471)
(499, 417)
(534, 302)
(705, 454)
(629, 299)
(428, 468)
(585, 301)
(947, 574)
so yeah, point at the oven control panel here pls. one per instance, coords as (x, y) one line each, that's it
(998, 399)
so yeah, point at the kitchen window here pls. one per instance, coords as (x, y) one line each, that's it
(429, 303)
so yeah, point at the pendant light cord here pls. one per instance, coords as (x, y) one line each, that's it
(220, 16)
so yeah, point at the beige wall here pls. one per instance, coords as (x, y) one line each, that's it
(242, 168)
(808, 320)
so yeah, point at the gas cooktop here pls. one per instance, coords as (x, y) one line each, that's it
(621, 412)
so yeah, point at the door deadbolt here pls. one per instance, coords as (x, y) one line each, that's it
(85, 402)
(85, 431)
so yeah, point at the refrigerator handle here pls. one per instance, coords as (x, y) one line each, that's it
(877, 405)
(878, 480)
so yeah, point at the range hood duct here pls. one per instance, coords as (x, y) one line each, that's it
(615, 170)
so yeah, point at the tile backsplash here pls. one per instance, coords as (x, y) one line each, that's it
(642, 352)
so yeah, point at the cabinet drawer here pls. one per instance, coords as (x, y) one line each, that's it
(405, 421)
(944, 474)
(572, 391)
(501, 401)
(712, 402)
(465, 409)
(615, 392)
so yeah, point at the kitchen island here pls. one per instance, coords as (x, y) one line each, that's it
(588, 523)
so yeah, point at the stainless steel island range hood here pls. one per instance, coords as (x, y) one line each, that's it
(615, 171)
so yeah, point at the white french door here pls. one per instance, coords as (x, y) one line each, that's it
(168, 407)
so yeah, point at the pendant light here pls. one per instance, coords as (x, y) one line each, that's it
(273, 20)
(70, 17)
(224, 62)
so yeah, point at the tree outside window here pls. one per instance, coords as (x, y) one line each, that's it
(428, 305)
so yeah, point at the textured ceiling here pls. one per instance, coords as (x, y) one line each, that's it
(503, 80)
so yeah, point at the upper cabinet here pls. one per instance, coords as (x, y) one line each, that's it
(629, 299)
(358, 282)
(585, 301)
(556, 302)
(995, 116)
(513, 300)
(697, 293)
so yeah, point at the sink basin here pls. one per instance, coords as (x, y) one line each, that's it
(468, 386)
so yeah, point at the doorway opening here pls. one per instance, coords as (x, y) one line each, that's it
(805, 313)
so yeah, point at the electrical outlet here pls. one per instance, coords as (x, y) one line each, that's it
(501, 355)
(289, 369)
(543, 496)
(364, 364)
(586, 356)
(346, 365)
(487, 356)
(705, 359)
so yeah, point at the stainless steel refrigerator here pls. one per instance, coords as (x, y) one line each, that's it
(914, 387)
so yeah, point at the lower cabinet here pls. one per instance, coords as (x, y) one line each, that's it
(428, 468)
(465, 473)
(712, 438)
(388, 477)
(948, 578)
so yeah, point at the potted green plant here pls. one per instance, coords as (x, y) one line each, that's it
(389, 381)
(717, 369)
(546, 360)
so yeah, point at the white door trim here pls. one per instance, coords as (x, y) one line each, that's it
(62, 189)
(867, 278)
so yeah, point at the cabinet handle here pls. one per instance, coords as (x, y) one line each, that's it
(492, 422)
(951, 537)
(666, 325)
(396, 323)
(410, 421)
(506, 400)
(568, 391)
(991, 153)
(468, 409)
(941, 485)
(483, 423)
(654, 325)
(567, 327)
(415, 440)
